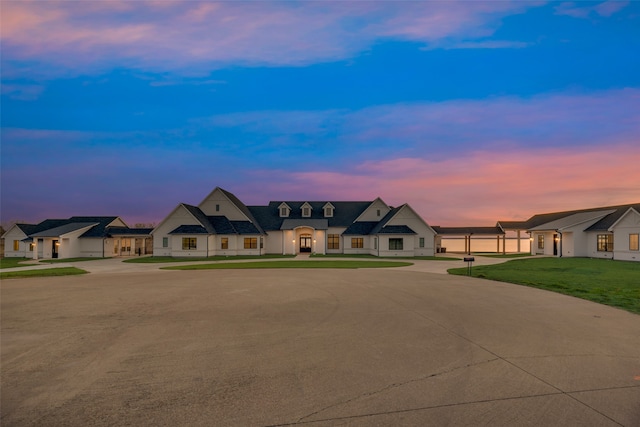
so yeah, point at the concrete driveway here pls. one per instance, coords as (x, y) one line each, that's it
(311, 347)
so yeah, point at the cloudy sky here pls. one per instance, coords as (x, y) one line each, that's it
(471, 112)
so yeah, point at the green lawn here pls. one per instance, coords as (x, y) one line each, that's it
(513, 255)
(166, 259)
(614, 283)
(422, 258)
(46, 272)
(12, 262)
(291, 264)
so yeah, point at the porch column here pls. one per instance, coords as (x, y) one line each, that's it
(498, 247)
(504, 244)
(518, 234)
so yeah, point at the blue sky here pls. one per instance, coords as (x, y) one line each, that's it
(470, 111)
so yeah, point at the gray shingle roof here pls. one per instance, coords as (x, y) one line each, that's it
(343, 215)
(396, 229)
(63, 229)
(361, 228)
(189, 229)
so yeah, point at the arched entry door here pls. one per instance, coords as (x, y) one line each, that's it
(305, 243)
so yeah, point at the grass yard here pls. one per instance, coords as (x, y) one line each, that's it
(166, 259)
(291, 264)
(369, 256)
(614, 283)
(514, 255)
(46, 272)
(12, 262)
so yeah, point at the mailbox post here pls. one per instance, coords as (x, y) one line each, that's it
(469, 260)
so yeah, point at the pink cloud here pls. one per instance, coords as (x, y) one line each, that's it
(477, 188)
(192, 37)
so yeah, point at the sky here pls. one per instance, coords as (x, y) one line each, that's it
(471, 112)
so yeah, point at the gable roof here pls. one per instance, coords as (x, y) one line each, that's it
(629, 211)
(609, 220)
(243, 208)
(572, 220)
(603, 224)
(214, 224)
(344, 214)
(63, 229)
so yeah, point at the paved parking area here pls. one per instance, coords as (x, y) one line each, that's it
(311, 347)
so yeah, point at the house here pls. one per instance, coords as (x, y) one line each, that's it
(606, 232)
(222, 225)
(78, 236)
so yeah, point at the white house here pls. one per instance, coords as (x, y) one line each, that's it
(222, 225)
(607, 232)
(78, 236)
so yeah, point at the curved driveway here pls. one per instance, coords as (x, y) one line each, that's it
(311, 347)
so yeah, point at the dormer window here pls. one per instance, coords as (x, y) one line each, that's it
(284, 210)
(306, 210)
(328, 210)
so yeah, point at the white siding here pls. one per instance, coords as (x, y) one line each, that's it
(407, 216)
(371, 213)
(179, 216)
(408, 248)
(338, 231)
(13, 234)
(628, 224)
(218, 204)
(93, 247)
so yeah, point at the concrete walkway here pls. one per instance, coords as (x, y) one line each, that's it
(117, 265)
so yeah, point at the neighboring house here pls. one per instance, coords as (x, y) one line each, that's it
(78, 236)
(607, 232)
(222, 225)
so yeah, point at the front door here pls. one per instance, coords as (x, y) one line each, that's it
(54, 248)
(125, 247)
(555, 244)
(305, 243)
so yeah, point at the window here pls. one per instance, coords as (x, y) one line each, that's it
(217, 208)
(32, 247)
(333, 241)
(605, 242)
(633, 242)
(540, 241)
(251, 243)
(224, 243)
(165, 242)
(396, 244)
(305, 212)
(422, 242)
(328, 212)
(189, 243)
(378, 212)
(16, 245)
(283, 212)
(357, 242)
